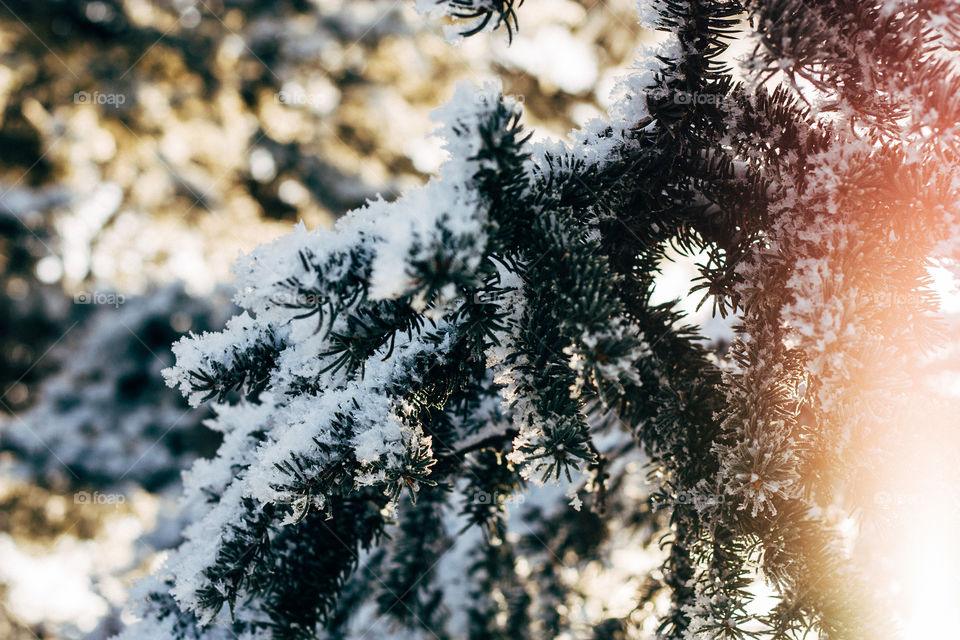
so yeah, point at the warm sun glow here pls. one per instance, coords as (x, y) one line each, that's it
(911, 547)
(947, 288)
(931, 575)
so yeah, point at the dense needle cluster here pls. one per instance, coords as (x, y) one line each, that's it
(409, 376)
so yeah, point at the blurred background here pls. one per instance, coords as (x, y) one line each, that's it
(143, 145)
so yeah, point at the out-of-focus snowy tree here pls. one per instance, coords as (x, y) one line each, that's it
(182, 130)
(33, 314)
(105, 418)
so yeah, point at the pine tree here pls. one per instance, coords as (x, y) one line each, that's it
(417, 373)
